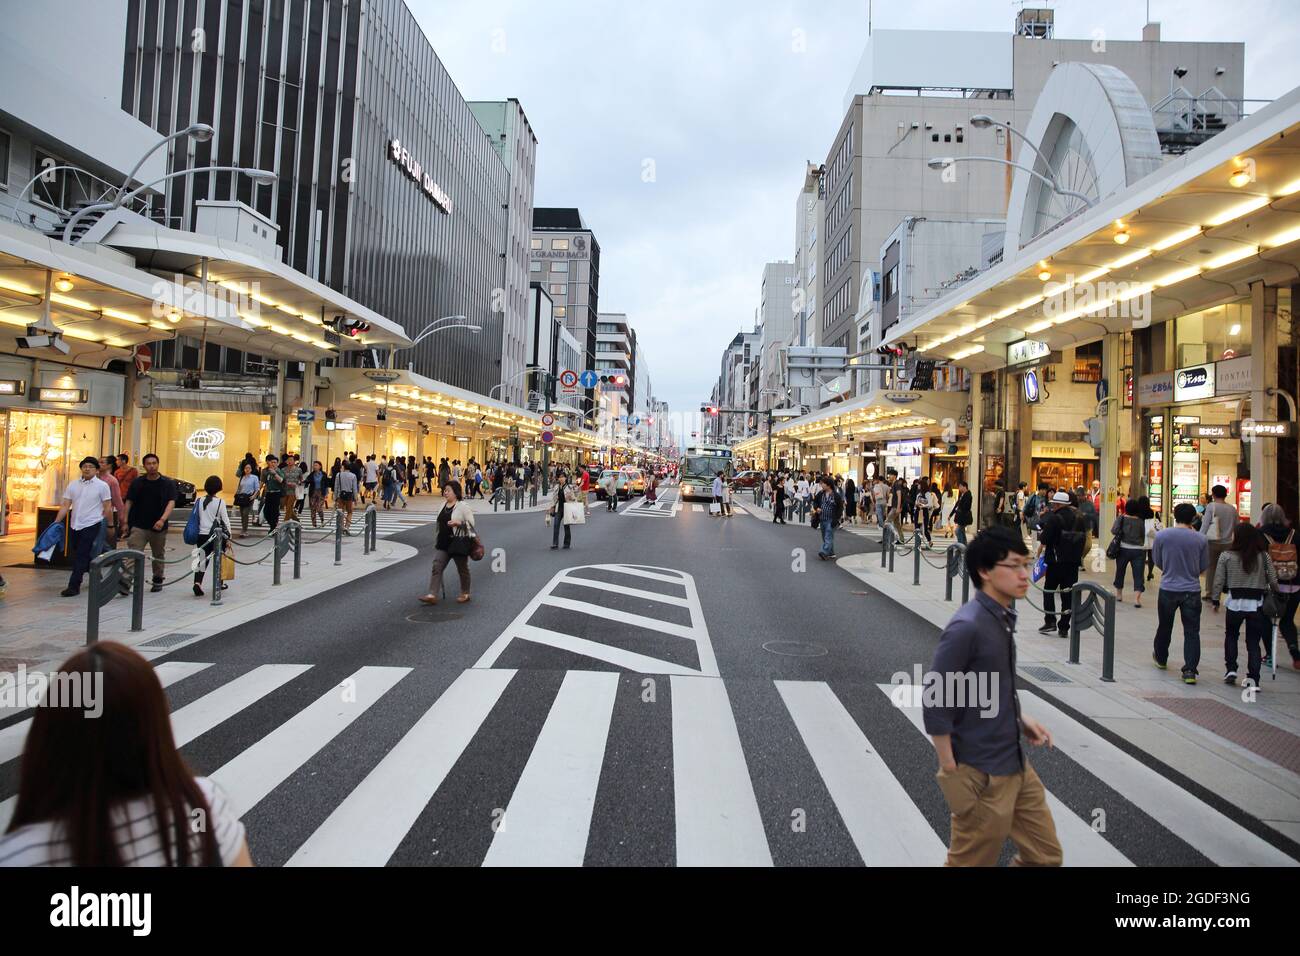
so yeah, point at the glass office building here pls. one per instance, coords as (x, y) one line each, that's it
(388, 189)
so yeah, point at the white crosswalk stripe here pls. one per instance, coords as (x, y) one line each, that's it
(551, 812)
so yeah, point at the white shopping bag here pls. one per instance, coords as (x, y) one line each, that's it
(715, 509)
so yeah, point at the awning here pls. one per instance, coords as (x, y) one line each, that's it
(1197, 233)
(878, 415)
(213, 400)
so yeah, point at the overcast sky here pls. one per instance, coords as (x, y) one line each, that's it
(719, 105)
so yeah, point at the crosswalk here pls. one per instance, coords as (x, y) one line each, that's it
(571, 732)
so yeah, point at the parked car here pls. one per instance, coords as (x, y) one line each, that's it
(185, 493)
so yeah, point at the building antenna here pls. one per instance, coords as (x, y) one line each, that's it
(869, 19)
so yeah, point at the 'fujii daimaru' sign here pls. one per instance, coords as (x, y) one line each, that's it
(409, 165)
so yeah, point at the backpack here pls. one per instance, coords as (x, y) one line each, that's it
(1073, 538)
(1031, 506)
(1283, 554)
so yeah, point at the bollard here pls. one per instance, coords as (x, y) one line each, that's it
(338, 537)
(956, 566)
(368, 521)
(884, 545)
(297, 550)
(916, 557)
(218, 543)
(1080, 605)
(104, 587)
(282, 541)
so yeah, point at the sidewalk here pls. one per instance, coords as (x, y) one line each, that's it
(40, 629)
(1245, 750)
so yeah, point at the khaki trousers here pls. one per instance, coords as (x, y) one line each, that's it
(986, 810)
(157, 541)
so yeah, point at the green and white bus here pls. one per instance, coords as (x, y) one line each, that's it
(700, 465)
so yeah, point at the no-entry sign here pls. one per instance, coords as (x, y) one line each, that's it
(548, 419)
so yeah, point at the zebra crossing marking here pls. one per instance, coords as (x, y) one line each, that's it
(851, 769)
(367, 827)
(697, 631)
(548, 818)
(255, 772)
(1080, 843)
(718, 820)
(194, 720)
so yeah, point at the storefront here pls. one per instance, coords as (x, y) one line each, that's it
(948, 467)
(904, 457)
(1063, 464)
(192, 445)
(51, 417)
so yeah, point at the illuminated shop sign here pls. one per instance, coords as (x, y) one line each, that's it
(63, 396)
(411, 166)
(1191, 384)
(12, 386)
(204, 442)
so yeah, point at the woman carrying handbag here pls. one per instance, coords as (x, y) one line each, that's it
(456, 541)
(1247, 573)
(568, 507)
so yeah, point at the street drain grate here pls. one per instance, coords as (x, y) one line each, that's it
(1045, 674)
(794, 649)
(167, 640)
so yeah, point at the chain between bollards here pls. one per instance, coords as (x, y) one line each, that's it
(103, 589)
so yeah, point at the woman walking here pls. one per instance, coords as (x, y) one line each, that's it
(318, 489)
(949, 504)
(245, 494)
(962, 515)
(1247, 573)
(272, 491)
(1274, 524)
(212, 514)
(566, 493)
(850, 501)
(778, 499)
(455, 537)
(1131, 530)
(115, 791)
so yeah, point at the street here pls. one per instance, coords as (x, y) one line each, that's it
(676, 689)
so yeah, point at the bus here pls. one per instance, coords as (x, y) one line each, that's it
(699, 466)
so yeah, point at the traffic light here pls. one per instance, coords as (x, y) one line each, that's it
(349, 326)
(618, 381)
(893, 351)
(709, 409)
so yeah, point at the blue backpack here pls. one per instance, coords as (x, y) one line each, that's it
(191, 533)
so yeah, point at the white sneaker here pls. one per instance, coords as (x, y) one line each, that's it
(1231, 677)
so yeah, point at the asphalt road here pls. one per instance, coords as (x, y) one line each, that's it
(674, 689)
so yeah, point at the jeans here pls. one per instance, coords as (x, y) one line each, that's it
(1257, 627)
(828, 537)
(1060, 575)
(83, 545)
(880, 513)
(961, 534)
(1188, 603)
(271, 508)
(1130, 557)
(556, 521)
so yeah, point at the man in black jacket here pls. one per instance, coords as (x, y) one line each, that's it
(1061, 538)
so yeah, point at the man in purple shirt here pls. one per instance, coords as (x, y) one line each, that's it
(992, 791)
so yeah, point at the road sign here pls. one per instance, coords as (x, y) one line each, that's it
(588, 379)
(306, 415)
(634, 420)
(548, 437)
(548, 419)
(568, 382)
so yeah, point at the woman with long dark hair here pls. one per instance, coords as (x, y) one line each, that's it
(212, 514)
(113, 791)
(1131, 530)
(1247, 573)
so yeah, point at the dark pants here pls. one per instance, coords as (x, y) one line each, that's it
(1130, 558)
(83, 546)
(271, 508)
(207, 546)
(961, 534)
(778, 512)
(1060, 575)
(1287, 625)
(1257, 626)
(1188, 603)
(556, 521)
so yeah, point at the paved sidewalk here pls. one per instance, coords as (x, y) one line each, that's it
(1246, 750)
(40, 629)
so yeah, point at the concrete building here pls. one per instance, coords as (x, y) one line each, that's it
(616, 351)
(912, 99)
(511, 135)
(776, 325)
(565, 258)
(808, 213)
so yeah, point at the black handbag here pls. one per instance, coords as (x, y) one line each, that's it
(243, 499)
(1112, 549)
(461, 544)
(1272, 606)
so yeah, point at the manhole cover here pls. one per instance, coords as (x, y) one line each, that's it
(434, 615)
(795, 649)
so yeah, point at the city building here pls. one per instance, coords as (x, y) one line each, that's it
(565, 258)
(808, 213)
(511, 135)
(777, 318)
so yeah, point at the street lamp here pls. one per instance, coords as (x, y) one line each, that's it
(430, 329)
(262, 176)
(943, 162)
(529, 370)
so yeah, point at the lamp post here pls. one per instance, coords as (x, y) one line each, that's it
(432, 327)
(943, 162)
(257, 175)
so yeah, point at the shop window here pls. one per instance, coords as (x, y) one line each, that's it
(1214, 334)
(1087, 363)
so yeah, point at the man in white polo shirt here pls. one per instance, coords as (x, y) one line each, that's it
(90, 503)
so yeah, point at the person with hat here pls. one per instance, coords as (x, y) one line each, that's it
(1062, 537)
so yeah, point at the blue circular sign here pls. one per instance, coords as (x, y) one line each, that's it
(588, 379)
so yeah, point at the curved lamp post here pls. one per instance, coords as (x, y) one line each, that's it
(435, 326)
(943, 162)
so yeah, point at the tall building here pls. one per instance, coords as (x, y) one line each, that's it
(511, 135)
(565, 258)
(616, 351)
(386, 189)
(876, 171)
(775, 326)
(808, 213)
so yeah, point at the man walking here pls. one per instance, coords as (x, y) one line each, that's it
(608, 484)
(1061, 540)
(828, 507)
(717, 495)
(1217, 525)
(90, 504)
(149, 503)
(124, 473)
(991, 789)
(1182, 555)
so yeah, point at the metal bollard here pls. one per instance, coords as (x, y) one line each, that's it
(1079, 606)
(104, 587)
(368, 523)
(916, 557)
(218, 545)
(885, 532)
(338, 537)
(297, 550)
(282, 543)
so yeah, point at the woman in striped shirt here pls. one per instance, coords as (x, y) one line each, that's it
(113, 791)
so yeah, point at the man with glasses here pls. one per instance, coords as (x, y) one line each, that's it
(992, 791)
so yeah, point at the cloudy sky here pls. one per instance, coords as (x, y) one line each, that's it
(681, 129)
